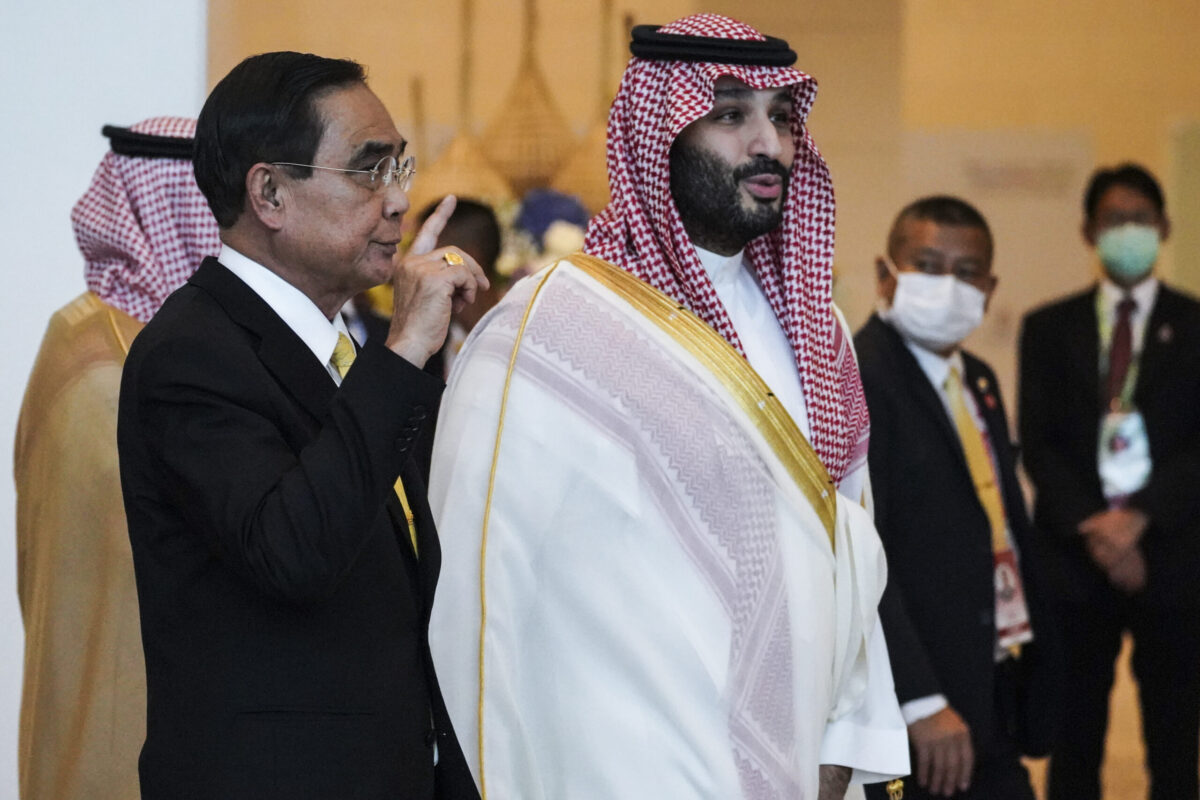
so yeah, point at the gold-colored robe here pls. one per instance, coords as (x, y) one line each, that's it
(83, 705)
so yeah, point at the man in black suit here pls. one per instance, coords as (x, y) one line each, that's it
(284, 574)
(962, 610)
(1110, 425)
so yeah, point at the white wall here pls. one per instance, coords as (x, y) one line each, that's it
(68, 68)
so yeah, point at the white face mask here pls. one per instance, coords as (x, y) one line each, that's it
(934, 311)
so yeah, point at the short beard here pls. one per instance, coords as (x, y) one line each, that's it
(707, 193)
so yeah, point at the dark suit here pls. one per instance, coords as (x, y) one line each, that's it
(938, 608)
(284, 614)
(373, 326)
(1060, 414)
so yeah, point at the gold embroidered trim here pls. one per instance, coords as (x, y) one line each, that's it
(487, 513)
(735, 373)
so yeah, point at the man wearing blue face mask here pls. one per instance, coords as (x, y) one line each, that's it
(963, 607)
(1110, 423)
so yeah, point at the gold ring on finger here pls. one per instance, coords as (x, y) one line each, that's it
(452, 258)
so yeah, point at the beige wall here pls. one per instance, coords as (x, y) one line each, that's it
(851, 47)
(1117, 75)
(402, 40)
(1122, 73)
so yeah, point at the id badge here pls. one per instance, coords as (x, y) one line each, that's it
(1012, 613)
(1123, 457)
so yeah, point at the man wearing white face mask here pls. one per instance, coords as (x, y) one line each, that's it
(963, 606)
(1110, 423)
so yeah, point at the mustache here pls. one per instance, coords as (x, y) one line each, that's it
(761, 166)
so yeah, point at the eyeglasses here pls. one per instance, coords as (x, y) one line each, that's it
(382, 174)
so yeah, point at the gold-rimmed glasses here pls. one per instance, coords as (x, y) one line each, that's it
(387, 170)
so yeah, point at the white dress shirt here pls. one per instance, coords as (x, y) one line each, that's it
(294, 307)
(1144, 294)
(763, 339)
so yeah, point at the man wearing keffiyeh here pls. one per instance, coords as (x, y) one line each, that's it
(142, 227)
(650, 470)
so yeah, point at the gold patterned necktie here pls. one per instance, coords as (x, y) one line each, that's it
(983, 473)
(342, 359)
(343, 355)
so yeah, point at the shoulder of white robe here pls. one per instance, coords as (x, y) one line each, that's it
(752, 395)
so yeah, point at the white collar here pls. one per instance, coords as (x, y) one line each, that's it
(294, 307)
(936, 367)
(1144, 294)
(721, 269)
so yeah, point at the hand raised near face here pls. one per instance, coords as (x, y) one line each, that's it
(428, 284)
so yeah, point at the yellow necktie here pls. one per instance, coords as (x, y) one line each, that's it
(343, 355)
(342, 359)
(978, 462)
(983, 474)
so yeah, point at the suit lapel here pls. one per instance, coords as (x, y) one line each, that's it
(1081, 343)
(286, 356)
(282, 352)
(982, 392)
(987, 400)
(1157, 344)
(915, 383)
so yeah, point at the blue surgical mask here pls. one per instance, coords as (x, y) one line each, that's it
(1128, 251)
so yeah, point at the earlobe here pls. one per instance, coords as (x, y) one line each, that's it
(265, 196)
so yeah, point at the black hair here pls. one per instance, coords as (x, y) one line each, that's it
(264, 110)
(477, 222)
(942, 209)
(1129, 175)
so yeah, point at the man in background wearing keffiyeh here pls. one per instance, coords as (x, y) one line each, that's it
(660, 587)
(142, 227)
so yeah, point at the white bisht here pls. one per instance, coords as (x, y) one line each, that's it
(650, 587)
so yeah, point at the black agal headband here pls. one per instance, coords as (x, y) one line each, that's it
(649, 44)
(146, 145)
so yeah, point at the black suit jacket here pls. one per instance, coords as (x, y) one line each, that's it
(1060, 413)
(938, 608)
(284, 614)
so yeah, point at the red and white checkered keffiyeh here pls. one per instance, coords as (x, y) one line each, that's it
(640, 230)
(143, 226)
